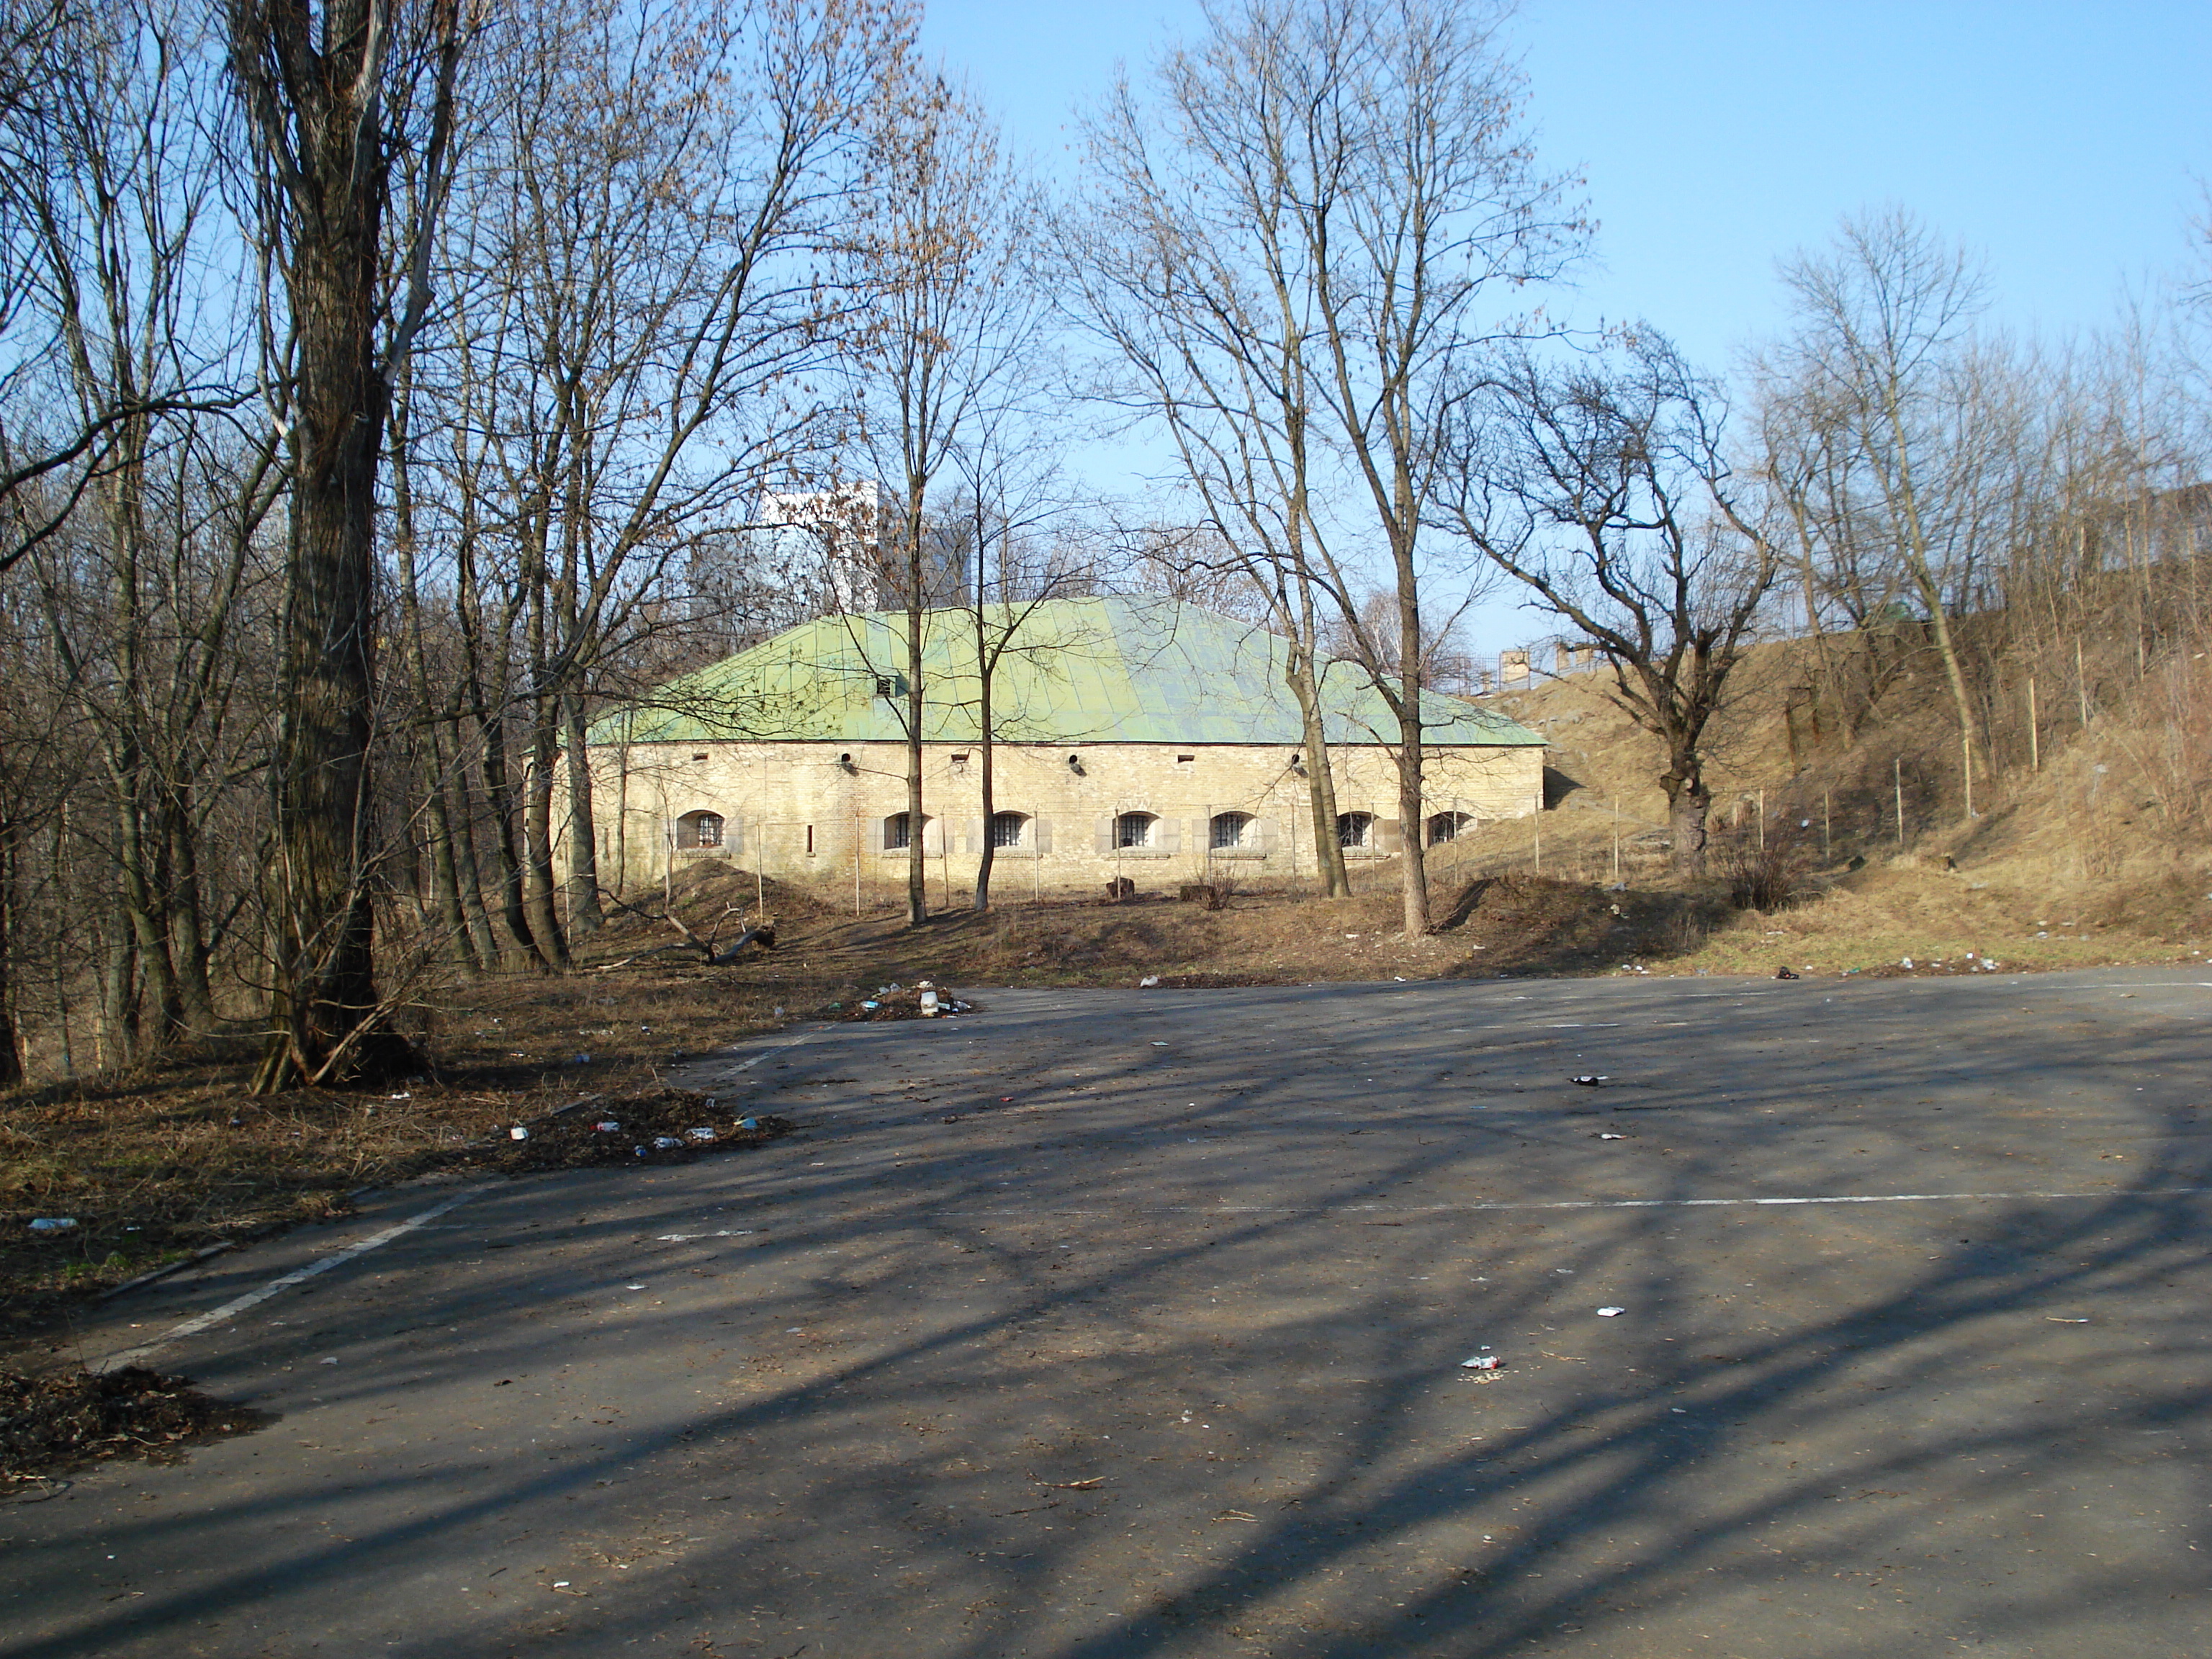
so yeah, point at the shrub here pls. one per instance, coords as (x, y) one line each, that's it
(1769, 878)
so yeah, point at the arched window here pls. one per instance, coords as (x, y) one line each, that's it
(1231, 830)
(898, 834)
(1355, 829)
(1133, 829)
(699, 830)
(1448, 826)
(1008, 829)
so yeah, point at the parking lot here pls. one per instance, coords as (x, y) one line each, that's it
(1132, 1323)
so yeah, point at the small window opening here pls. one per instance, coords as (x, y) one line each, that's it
(960, 763)
(1133, 829)
(1008, 829)
(1231, 830)
(695, 831)
(810, 841)
(1355, 828)
(1448, 826)
(698, 757)
(1185, 760)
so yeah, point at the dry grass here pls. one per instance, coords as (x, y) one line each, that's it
(158, 1164)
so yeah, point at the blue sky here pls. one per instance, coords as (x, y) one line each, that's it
(2065, 142)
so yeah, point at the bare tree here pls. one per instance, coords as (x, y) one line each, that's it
(1446, 663)
(328, 94)
(644, 291)
(142, 554)
(101, 108)
(1331, 191)
(1006, 496)
(1600, 486)
(1878, 366)
(1188, 270)
(946, 249)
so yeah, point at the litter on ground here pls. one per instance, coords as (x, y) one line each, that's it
(924, 1001)
(656, 1126)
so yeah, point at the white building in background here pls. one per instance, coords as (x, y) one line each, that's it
(824, 548)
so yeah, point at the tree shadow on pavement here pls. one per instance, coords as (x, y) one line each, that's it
(1139, 1377)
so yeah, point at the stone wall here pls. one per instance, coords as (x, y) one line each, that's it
(829, 815)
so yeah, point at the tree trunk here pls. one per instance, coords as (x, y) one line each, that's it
(1335, 879)
(917, 861)
(538, 885)
(142, 883)
(445, 886)
(118, 989)
(11, 1047)
(1688, 803)
(498, 790)
(585, 915)
(1410, 850)
(444, 868)
(189, 948)
(1922, 575)
(1954, 676)
(326, 1015)
(64, 963)
(317, 108)
(468, 868)
(987, 852)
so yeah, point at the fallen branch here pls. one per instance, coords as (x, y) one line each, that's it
(760, 932)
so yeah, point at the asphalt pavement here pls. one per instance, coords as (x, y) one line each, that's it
(1132, 1323)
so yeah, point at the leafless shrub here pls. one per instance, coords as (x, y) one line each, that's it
(1207, 895)
(1765, 877)
(2172, 751)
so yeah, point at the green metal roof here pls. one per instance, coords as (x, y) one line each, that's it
(1120, 670)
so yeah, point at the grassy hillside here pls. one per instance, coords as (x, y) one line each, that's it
(2090, 845)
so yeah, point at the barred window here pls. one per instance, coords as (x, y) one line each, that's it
(1007, 829)
(1133, 829)
(699, 829)
(1231, 830)
(1355, 828)
(1448, 826)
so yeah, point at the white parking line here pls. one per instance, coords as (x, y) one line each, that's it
(237, 1305)
(2115, 985)
(773, 1047)
(1606, 1203)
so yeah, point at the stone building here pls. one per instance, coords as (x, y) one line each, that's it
(1133, 737)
